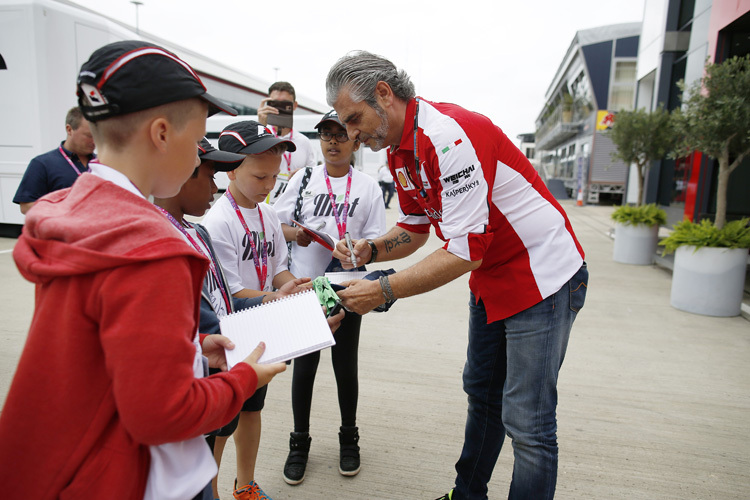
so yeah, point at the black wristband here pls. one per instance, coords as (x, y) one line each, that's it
(373, 251)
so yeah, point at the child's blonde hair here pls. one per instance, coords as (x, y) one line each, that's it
(117, 132)
(276, 150)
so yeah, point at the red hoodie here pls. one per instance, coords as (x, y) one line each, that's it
(107, 366)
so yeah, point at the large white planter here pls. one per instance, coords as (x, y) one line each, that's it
(635, 243)
(709, 281)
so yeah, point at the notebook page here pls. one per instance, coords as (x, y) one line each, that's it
(340, 277)
(291, 327)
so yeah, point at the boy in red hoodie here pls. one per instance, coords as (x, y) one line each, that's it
(107, 396)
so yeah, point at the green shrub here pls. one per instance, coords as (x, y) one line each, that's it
(735, 234)
(649, 215)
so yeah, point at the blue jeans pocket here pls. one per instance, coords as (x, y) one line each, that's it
(578, 285)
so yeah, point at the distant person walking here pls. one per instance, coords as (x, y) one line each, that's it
(59, 168)
(385, 179)
(459, 173)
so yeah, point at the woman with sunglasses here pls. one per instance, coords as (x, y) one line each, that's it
(336, 199)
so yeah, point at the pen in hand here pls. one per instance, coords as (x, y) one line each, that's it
(351, 248)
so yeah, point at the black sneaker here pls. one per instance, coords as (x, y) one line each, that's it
(296, 462)
(349, 451)
(447, 496)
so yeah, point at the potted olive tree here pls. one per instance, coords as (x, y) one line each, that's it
(711, 258)
(641, 137)
(637, 233)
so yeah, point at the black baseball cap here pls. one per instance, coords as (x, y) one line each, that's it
(224, 161)
(132, 75)
(250, 138)
(331, 116)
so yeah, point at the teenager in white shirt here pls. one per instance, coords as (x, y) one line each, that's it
(335, 199)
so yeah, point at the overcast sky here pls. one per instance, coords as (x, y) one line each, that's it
(496, 57)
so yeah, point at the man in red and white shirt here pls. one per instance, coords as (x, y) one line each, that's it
(458, 172)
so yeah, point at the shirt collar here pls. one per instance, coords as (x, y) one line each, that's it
(115, 177)
(72, 155)
(407, 136)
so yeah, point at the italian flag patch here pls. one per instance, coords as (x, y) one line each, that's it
(450, 146)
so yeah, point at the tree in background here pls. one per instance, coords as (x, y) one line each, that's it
(715, 120)
(642, 137)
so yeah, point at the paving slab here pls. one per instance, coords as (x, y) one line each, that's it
(654, 402)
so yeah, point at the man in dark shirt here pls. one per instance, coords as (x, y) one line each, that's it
(59, 168)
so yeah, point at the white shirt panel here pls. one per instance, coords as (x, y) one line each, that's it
(530, 215)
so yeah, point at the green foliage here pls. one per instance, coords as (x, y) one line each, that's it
(735, 234)
(715, 120)
(649, 215)
(642, 137)
(716, 111)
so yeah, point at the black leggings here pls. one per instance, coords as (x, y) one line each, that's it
(344, 359)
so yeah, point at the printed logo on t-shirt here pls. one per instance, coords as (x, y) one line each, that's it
(212, 289)
(324, 208)
(403, 179)
(247, 253)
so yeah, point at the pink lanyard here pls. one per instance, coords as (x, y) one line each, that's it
(261, 268)
(287, 156)
(195, 245)
(340, 223)
(70, 162)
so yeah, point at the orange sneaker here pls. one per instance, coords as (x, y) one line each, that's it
(250, 491)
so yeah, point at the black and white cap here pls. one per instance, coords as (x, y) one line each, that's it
(132, 75)
(250, 138)
(331, 116)
(224, 161)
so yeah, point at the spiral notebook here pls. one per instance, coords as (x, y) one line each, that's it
(291, 327)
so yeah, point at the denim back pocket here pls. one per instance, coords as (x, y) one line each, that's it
(578, 285)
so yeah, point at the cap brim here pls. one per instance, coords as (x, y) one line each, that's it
(217, 106)
(265, 144)
(334, 120)
(224, 161)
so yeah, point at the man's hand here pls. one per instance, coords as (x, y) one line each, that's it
(361, 296)
(362, 252)
(265, 372)
(213, 348)
(264, 110)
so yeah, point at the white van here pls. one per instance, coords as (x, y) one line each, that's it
(43, 43)
(365, 160)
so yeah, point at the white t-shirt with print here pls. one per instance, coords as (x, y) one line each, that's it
(233, 248)
(302, 157)
(366, 215)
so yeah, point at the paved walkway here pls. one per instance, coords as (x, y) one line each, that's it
(654, 402)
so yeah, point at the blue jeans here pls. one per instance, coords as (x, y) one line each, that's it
(511, 380)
